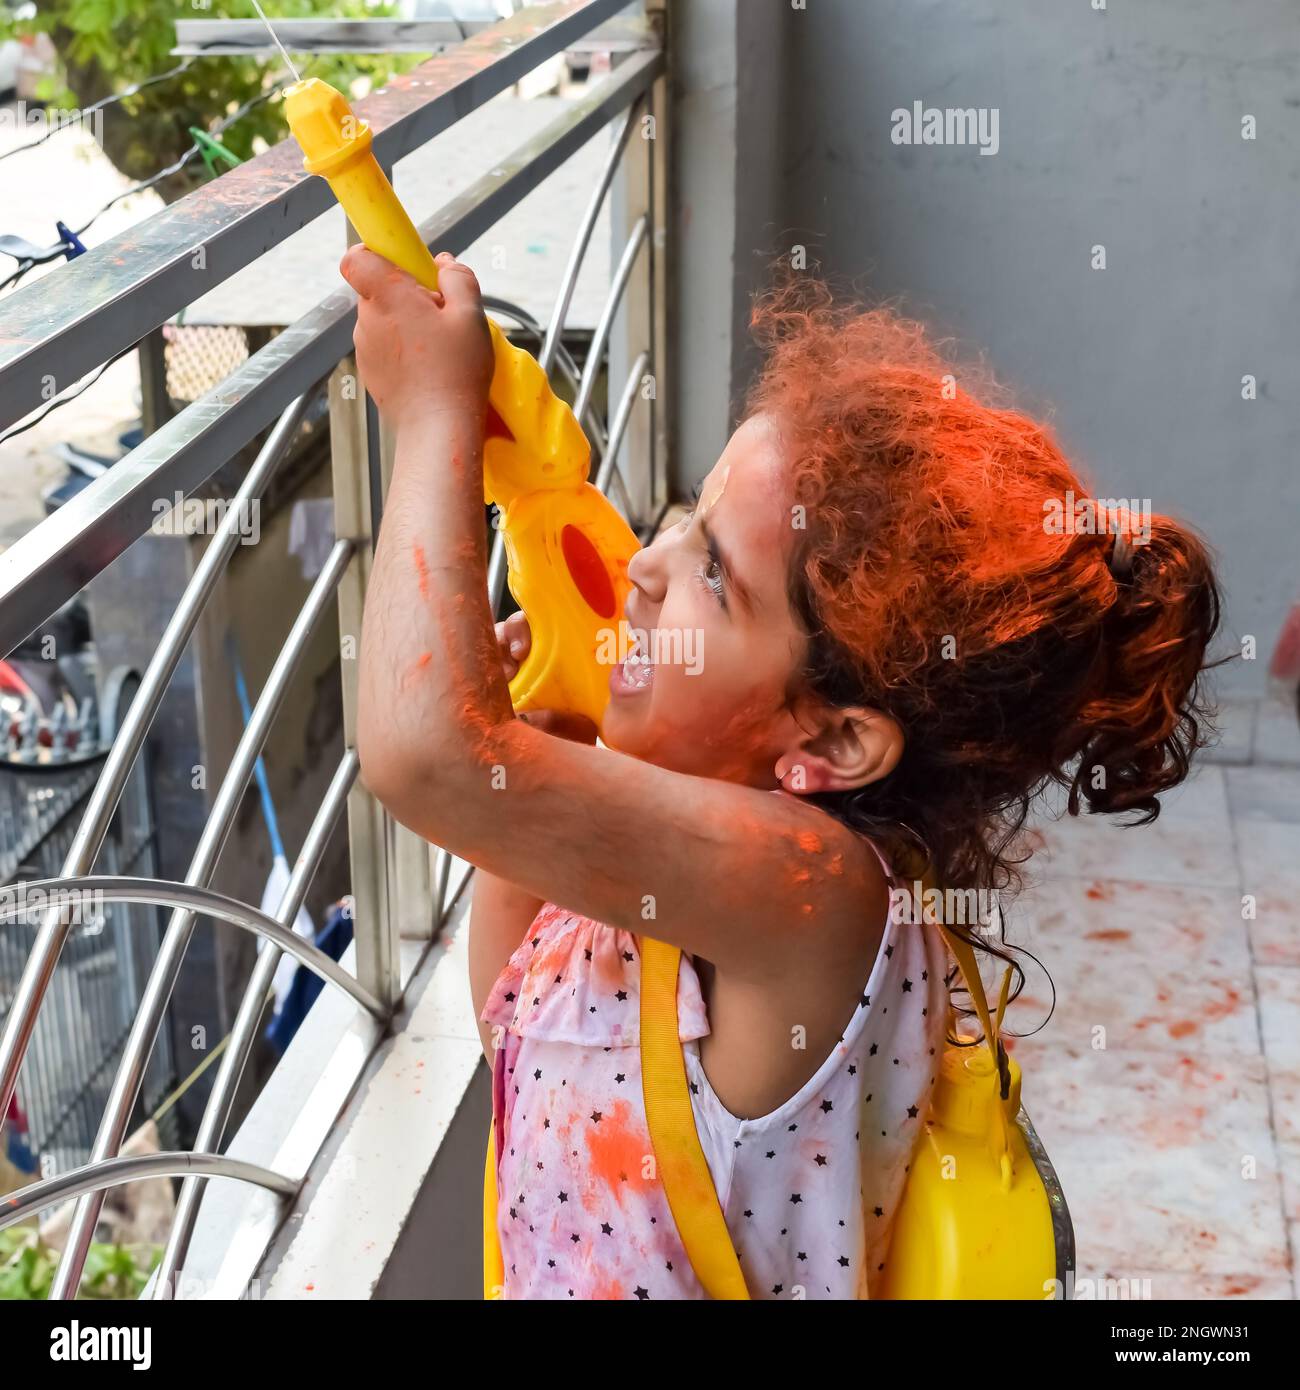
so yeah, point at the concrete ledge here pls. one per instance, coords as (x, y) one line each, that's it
(390, 1206)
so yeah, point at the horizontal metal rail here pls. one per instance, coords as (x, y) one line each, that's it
(95, 1177)
(58, 328)
(51, 563)
(205, 902)
(212, 38)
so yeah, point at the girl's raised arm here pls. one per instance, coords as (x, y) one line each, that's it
(743, 877)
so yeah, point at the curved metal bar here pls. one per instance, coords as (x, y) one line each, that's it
(205, 902)
(167, 964)
(608, 470)
(39, 969)
(579, 248)
(640, 230)
(113, 1172)
(243, 1035)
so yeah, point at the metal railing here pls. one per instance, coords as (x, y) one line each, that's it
(99, 306)
(101, 973)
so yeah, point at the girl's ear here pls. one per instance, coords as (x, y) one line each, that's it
(847, 748)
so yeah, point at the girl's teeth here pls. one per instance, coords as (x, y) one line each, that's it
(638, 670)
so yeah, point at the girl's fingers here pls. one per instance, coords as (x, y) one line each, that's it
(516, 636)
(575, 727)
(508, 662)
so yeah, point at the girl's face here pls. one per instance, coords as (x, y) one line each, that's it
(716, 643)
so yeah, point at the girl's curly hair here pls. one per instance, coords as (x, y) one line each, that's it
(932, 587)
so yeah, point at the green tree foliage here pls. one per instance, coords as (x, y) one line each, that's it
(105, 46)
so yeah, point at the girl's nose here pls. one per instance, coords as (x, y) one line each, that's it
(646, 571)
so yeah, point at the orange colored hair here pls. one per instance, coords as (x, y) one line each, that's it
(931, 588)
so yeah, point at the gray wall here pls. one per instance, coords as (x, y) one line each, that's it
(1120, 127)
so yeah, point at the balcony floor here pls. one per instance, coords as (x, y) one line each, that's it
(1166, 1088)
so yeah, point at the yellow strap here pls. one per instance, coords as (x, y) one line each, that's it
(494, 1270)
(682, 1166)
(688, 1184)
(964, 955)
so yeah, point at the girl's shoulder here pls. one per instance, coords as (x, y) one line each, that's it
(576, 980)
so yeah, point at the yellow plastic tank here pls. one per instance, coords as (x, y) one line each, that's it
(976, 1219)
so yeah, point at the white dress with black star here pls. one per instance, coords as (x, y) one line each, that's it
(808, 1191)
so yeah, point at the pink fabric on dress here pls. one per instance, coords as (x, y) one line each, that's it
(808, 1191)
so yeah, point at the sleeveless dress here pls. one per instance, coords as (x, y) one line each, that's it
(808, 1191)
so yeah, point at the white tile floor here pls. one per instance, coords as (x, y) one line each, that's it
(1166, 1087)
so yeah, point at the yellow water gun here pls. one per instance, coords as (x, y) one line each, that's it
(567, 548)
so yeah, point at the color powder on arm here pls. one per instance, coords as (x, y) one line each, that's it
(422, 570)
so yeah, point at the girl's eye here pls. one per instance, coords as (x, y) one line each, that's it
(711, 577)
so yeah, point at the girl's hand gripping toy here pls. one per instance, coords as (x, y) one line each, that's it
(567, 548)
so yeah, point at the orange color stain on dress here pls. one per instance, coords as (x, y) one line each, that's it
(616, 1150)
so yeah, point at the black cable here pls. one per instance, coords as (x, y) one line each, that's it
(63, 400)
(103, 102)
(189, 154)
(174, 168)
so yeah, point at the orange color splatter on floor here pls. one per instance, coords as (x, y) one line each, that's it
(1221, 1008)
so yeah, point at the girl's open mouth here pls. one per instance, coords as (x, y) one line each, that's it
(634, 674)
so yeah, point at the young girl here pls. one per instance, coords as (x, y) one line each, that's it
(883, 628)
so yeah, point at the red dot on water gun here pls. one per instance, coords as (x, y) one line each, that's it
(588, 572)
(496, 426)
